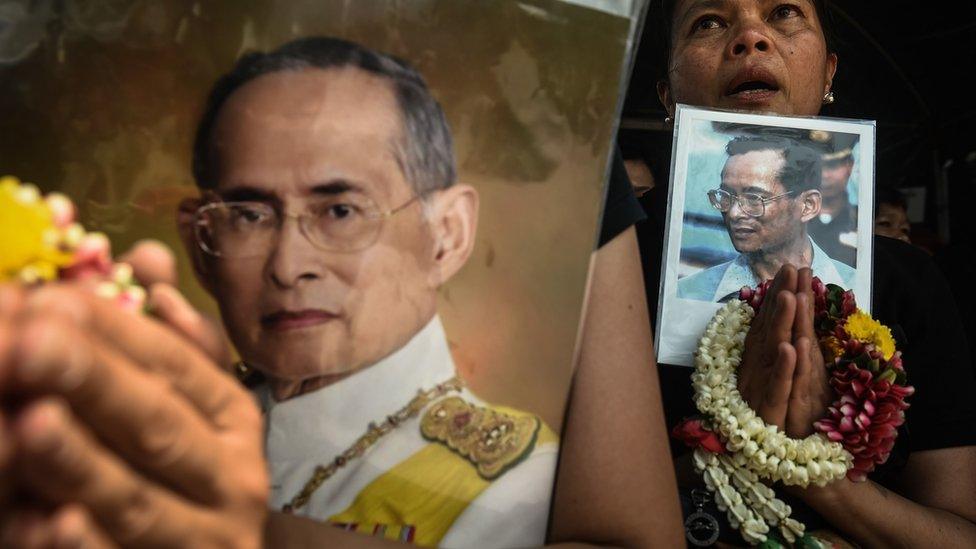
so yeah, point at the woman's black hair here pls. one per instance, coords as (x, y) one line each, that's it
(666, 17)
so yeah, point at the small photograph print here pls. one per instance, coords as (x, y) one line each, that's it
(750, 193)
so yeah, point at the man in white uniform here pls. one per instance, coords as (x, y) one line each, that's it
(329, 219)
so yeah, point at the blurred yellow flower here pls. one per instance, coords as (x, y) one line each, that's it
(862, 327)
(831, 347)
(30, 239)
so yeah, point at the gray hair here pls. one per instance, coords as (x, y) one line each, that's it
(424, 150)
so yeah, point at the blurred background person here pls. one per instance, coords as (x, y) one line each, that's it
(891, 214)
(835, 228)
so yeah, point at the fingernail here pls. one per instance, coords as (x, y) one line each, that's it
(39, 426)
(37, 345)
(61, 301)
(159, 301)
(69, 528)
(46, 355)
(172, 305)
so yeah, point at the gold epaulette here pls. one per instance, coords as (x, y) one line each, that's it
(491, 440)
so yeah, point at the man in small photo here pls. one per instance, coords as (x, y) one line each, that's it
(328, 221)
(769, 192)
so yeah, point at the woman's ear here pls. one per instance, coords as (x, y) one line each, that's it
(664, 96)
(185, 220)
(810, 202)
(831, 70)
(454, 223)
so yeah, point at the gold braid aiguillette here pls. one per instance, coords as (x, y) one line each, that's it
(373, 433)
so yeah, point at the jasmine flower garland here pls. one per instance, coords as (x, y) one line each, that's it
(857, 433)
(758, 451)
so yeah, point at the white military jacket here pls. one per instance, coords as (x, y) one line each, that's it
(510, 510)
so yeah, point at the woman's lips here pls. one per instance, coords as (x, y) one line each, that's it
(757, 97)
(752, 86)
(293, 320)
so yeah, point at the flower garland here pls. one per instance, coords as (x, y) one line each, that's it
(43, 242)
(736, 451)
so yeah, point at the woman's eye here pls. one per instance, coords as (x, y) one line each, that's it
(707, 23)
(786, 11)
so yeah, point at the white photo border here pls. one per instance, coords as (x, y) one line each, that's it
(681, 322)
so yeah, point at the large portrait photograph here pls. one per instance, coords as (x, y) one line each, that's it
(390, 209)
(751, 193)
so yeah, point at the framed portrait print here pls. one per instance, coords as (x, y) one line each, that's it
(391, 206)
(750, 193)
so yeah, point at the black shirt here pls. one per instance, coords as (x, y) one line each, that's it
(621, 209)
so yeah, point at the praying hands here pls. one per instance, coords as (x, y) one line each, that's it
(118, 431)
(782, 375)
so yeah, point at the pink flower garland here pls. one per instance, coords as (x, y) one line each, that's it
(871, 390)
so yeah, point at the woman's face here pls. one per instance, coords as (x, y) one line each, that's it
(754, 55)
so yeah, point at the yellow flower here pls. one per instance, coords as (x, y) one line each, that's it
(30, 239)
(831, 347)
(862, 327)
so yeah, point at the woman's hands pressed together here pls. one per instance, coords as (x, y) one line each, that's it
(782, 375)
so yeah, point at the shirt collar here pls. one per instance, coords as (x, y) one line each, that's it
(739, 274)
(824, 267)
(339, 413)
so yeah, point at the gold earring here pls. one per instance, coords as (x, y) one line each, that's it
(828, 98)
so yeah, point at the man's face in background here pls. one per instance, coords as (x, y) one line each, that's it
(758, 172)
(295, 139)
(835, 176)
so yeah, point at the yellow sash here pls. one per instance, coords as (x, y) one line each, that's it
(420, 498)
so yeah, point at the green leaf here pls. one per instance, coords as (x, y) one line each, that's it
(888, 375)
(809, 542)
(773, 541)
(901, 377)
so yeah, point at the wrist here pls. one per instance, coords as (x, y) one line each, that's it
(818, 496)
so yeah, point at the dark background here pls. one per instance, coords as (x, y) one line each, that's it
(908, 65)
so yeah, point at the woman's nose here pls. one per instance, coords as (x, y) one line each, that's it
(750, 40)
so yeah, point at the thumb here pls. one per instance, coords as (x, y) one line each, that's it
(151, 262)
